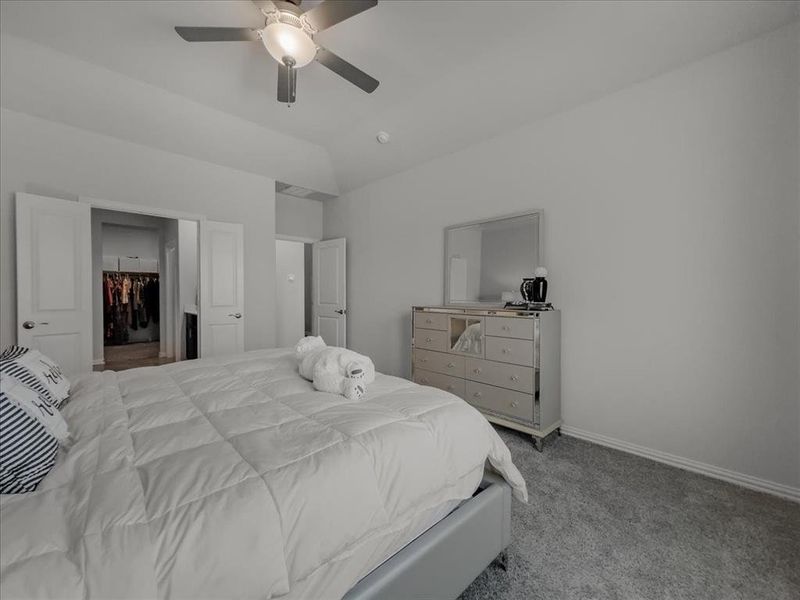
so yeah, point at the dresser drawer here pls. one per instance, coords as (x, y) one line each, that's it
(454, 385)
(510, 327)
(449, 364)
(504, 375)
(504, 402)
(430, 339)
(429, 320)
(508, 350)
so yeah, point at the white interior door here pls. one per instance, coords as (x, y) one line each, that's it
(54, 290)
(222, 289)
(290, 303)
(330, 291)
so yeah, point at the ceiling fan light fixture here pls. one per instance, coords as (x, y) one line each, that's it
(282, 40)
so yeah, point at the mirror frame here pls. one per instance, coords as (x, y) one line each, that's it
(538, 212)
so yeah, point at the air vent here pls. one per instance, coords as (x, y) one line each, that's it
(300, 192)
(296, 190)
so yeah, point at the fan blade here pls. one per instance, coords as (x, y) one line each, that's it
(331, 12)
(344, 69)
(217, 34)
(287, 84)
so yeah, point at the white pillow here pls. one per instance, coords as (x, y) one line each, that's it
(36, 406)
(37, 371)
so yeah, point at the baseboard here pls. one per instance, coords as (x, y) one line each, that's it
(748, 481)
(98, 361)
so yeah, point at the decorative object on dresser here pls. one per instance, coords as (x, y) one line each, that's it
(505, 362)
(539, 284)
(526, 289)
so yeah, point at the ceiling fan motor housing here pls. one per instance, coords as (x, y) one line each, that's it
(291, 15)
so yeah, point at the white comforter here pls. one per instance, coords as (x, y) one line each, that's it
(231, 477)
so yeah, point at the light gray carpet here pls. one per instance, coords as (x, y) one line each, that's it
(605, 524)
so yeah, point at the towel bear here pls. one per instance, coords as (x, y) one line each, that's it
(332, 369)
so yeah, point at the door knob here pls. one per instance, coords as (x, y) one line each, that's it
(340, 311)
(28, 325)
(235, 315)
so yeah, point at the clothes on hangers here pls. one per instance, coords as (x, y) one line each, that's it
(130, 302)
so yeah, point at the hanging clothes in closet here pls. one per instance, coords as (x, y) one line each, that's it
(130, 302)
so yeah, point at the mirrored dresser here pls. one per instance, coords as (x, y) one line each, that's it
(504, 362)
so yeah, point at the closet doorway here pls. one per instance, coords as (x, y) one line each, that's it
(145, 287)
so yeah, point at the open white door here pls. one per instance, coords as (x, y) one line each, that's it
(222, 289)
(329, 312)
(54, 290)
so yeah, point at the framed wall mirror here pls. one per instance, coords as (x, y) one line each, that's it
(485, 261)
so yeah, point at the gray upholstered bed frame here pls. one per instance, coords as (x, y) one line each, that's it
(445, 559)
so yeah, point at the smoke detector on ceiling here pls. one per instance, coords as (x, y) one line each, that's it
(382, 137)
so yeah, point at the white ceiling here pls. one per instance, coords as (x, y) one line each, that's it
(451, 73)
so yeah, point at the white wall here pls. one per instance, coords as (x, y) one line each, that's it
(298, 217)
(290, 292)
(123, 240)
(671, 235)
(51, 159)
(40, 81)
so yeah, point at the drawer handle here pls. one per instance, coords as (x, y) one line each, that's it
(477, 394)
(423, 360)
(514, 378)
(476, 370)
(514, 404)
(429, 340)
(451, 365)
(429, 321)
(506, 350)
(506, 328)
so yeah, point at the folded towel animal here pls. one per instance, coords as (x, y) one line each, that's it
(332, 369)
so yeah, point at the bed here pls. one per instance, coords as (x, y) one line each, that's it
(233, 477)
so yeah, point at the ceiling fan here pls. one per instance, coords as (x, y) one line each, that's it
(288, 35)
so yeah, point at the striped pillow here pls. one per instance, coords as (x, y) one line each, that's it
(28, 449)
(35, 370)
(12, 352)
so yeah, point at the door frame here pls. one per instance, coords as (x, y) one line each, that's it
(305, 240)
(164, 213)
